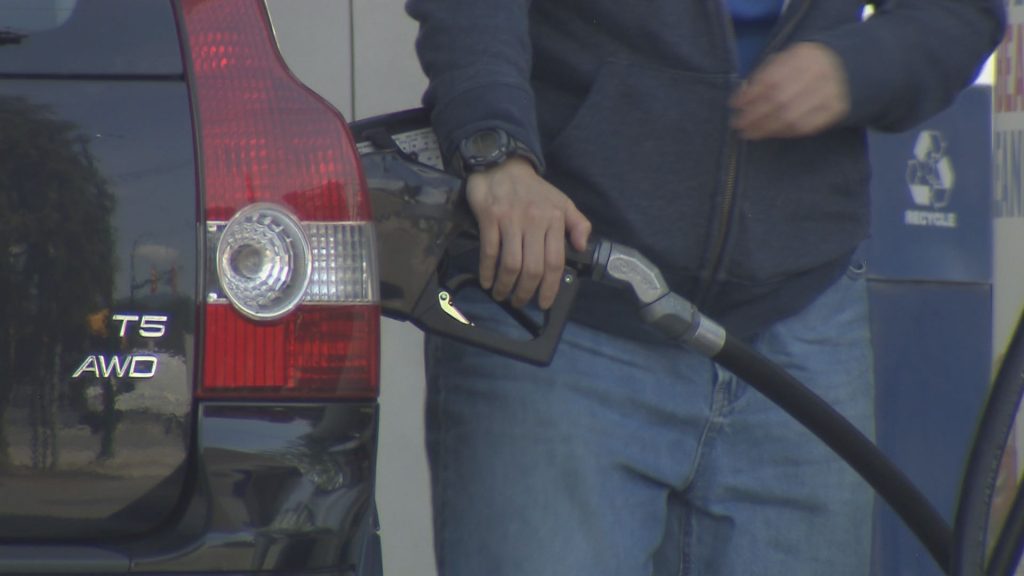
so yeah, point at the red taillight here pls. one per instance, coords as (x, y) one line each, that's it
(267, 140)
(317, 352)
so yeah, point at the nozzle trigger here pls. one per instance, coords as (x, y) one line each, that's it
(445, 300)
(437, 314)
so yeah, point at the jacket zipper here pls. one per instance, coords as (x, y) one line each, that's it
(728, 197)
(732, 152)
(789, 23)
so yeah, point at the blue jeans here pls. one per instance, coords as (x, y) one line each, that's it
(626, 459)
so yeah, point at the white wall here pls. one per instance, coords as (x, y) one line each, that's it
(315, 39)
(358, 54)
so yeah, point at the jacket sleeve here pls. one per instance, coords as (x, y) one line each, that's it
(912, 57)
(477, 57)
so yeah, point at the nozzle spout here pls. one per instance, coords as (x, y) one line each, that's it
(621, 265)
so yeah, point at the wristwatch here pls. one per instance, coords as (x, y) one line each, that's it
(489, 148)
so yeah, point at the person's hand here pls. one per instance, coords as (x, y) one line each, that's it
(523, 224)
(800, 91)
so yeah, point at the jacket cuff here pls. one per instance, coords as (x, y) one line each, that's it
(869, 83)
(504, 106)
(909, 62)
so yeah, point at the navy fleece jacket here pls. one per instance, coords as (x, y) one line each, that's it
(625, 103)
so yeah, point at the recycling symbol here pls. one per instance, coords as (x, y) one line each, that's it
(930, 172)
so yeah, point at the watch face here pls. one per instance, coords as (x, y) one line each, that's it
(485, 148)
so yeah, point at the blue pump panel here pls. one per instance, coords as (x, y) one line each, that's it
(932, 360)
(930, 277)
(932, 196)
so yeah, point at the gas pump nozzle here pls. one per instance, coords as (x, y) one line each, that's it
(421, 217)
(669, 313)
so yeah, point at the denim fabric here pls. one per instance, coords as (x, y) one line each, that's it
(629, 459)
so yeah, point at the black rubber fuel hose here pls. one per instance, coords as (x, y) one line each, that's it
(845, 439)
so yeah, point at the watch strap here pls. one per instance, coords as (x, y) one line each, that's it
(513, 148)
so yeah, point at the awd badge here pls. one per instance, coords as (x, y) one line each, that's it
(140, 366)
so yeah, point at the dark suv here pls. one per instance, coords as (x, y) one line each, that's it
(189, 334)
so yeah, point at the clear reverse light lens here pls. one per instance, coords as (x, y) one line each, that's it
(344, 258)
(263, 261)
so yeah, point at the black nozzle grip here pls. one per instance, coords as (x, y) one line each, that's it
(538, 350)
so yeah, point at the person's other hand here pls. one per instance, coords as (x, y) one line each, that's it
(523, 223)
(800, 91)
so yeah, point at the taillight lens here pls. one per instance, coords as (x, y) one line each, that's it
(262, 261)
(292, 309)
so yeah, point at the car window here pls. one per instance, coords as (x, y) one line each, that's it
(69, 38)
(19, 18)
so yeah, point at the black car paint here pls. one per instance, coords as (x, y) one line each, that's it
(286, 489)
(111, 484)
(94, 215)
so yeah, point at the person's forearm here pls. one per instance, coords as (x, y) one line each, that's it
(476, 55)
